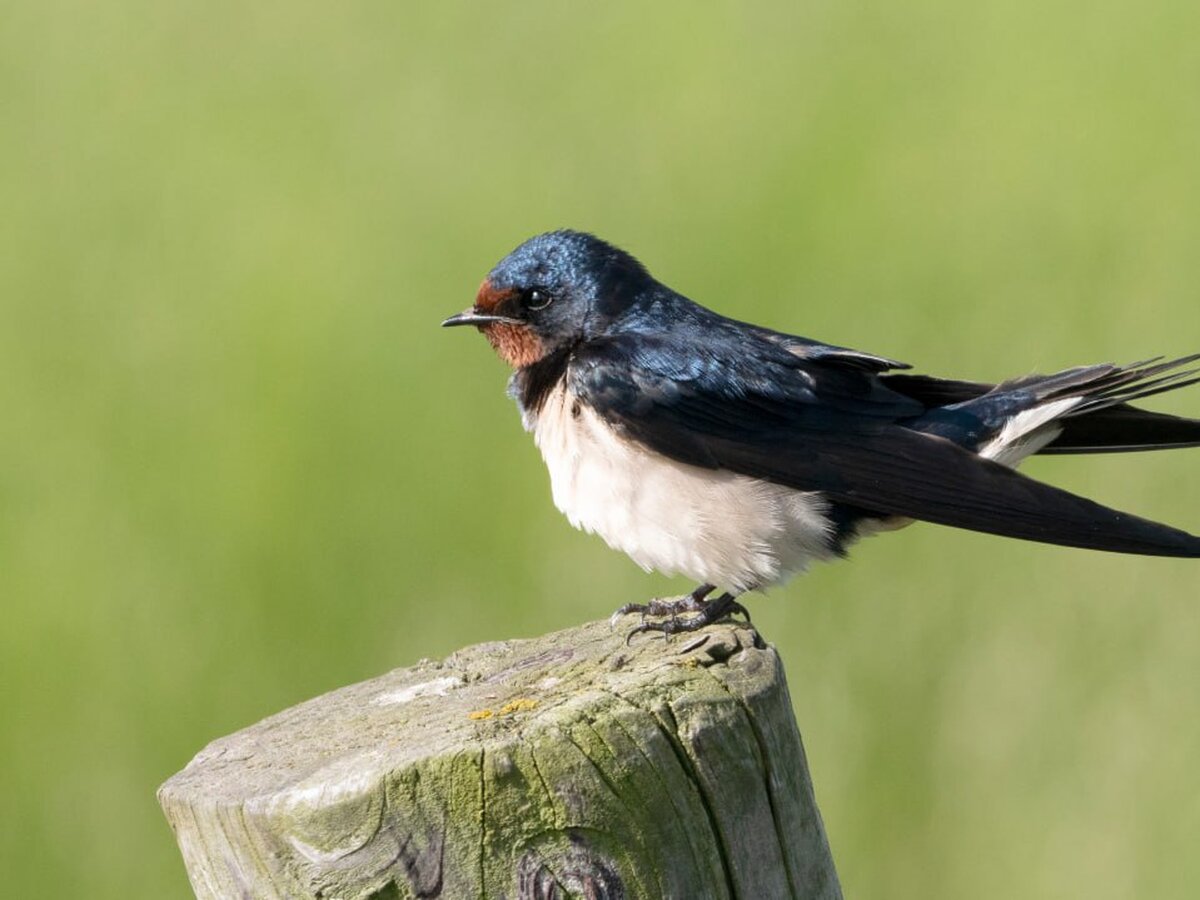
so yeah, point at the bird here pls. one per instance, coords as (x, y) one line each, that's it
(737, 455)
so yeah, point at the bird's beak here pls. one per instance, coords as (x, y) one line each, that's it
(470, 317)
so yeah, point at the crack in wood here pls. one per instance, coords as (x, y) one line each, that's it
(688, 768)
(706, 800)
(543, 660)
(417, 857)
(666, 788)
(765, 765)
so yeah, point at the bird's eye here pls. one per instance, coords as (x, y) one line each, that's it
(537, 299)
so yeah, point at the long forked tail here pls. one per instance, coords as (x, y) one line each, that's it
(1125, 429)
(1084, 410)
(1104, 422)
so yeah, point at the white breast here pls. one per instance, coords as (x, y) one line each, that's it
(714, 526)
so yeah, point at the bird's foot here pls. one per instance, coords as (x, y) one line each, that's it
(665, 606)
(679, 615)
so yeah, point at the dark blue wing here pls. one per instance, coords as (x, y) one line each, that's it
(821, 424)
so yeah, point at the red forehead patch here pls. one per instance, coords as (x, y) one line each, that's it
(490, 297)
(517, 345)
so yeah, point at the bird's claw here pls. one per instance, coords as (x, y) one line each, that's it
(671, 622)
(626, 610)
(669, 607)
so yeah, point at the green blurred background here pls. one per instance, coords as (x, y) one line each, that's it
(240, 464)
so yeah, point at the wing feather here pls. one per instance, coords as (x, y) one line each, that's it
(813, 425)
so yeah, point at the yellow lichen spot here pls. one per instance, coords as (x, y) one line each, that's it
(521, 704)
(480, 714)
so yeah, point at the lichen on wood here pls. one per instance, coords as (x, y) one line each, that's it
(569, 765)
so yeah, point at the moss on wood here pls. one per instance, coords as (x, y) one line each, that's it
(569, 765)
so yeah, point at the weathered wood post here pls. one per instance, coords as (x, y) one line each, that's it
(569, 765)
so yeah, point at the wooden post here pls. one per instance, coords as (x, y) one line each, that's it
(569, 765)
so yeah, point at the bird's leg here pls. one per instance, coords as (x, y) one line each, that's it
(693, 602)
(704, 613)
(710, 611)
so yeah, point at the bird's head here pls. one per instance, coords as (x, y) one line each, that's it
(552, 292)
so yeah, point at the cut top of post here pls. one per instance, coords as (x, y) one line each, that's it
(569, 764)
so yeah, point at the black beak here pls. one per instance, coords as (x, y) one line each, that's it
(470, 317)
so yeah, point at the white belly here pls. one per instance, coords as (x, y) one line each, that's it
(714, 526)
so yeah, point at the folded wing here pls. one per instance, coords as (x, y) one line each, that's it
(814, 425)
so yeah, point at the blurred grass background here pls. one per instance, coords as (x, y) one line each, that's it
(240, 464)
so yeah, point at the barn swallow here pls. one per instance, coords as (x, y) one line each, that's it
(737, 455)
